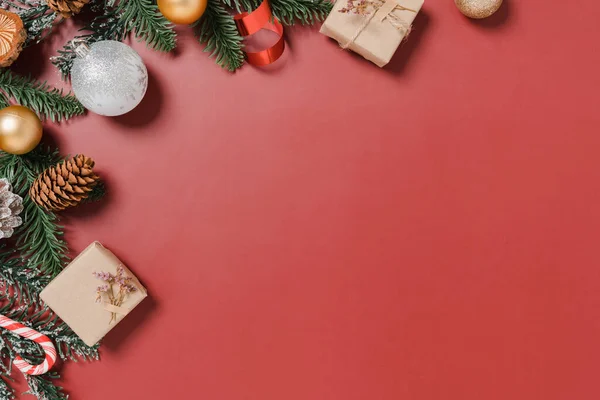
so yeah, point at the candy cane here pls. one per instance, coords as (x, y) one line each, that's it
(35, 336)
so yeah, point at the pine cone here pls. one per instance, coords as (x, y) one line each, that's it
(11, 206)
(12, 37)
(67, 8)
(64, 185)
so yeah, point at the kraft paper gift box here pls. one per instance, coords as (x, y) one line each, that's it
(72, 295)
(376, 34)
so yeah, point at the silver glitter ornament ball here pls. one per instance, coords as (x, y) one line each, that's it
(109, 78)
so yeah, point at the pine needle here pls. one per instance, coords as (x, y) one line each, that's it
(307, 12)
(38, 19)
(46, 101)
(25, 269)
(39, 239)
(140, 17)
(147, 23)
(216, 29)
(42, 387)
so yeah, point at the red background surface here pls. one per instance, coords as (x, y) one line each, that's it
(324, 229)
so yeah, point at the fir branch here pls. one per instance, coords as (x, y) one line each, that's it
(6, 393)
(39, 317)
(43, 320)
(103, 27)
(216, 29)
(97, 193)
(44, 389)
(138, 16)
(46, 101)
(242, 5)
(38, 19)
(39, 239)
(19, 281)
(147, 23)
(307, 12)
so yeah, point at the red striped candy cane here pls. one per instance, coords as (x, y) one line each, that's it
(35, 336)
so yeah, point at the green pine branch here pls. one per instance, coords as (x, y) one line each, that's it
(38, 19)
(46, 101)
(6, 393)
(307, 12)
(44, 389)
(104, 27)
(216, 29)
(19, 280)
(138, 17)
(97, 193)
(147, 23)
(28, 262)
(39, 239)
(242, 5)
(289, 12)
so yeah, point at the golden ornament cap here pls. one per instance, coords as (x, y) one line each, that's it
(478, 9)
(20, 130)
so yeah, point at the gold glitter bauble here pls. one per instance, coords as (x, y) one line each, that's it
(20, 130)
(183, 12)
(478, 9)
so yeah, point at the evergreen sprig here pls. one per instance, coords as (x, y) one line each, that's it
(26, 266)
(140, 17)
(147, 23)
(39, 239)
(43, 388)
(6, 393)
(18, 279)
(104, 27)
(38, 19)
(46, 101)
(216, 29)
(307, 12)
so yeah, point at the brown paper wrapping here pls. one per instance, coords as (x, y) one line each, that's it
(72, 294)
(379, 40)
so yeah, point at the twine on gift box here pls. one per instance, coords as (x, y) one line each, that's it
(384, 12)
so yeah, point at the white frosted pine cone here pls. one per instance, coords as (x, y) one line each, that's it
(11, 206)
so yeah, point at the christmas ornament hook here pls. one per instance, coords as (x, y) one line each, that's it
(33, 335)
(81, 47)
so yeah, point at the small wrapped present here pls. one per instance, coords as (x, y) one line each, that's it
(93, 293)
(372, 28)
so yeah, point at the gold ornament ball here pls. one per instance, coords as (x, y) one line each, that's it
(478, 9)
(20, 130)
(184, 12)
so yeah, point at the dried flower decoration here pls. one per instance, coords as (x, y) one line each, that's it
(361, 7)
(120, 281)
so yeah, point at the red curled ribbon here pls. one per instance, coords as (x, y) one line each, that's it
(250, 23)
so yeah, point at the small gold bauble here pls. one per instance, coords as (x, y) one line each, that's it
(182, 12)
(20, 130)
(478, 9)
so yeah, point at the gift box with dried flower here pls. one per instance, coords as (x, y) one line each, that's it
(372, 28)
(93, 293)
